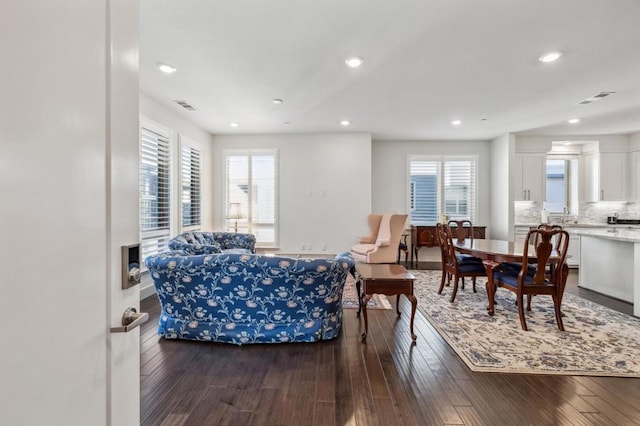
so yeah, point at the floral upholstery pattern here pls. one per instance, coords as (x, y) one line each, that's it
(248, 298)
(196, 242)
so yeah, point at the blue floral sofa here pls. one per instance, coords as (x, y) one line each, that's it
(197, 242)
(248, 298)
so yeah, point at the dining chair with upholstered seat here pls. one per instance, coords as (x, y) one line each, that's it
(456, 265)
(460, 232)
(543, 272)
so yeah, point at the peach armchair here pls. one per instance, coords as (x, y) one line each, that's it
(381, 246)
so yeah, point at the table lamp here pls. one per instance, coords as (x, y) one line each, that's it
(234, 212)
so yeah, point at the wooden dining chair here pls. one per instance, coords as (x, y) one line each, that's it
(456, 265)
(546, 275)
(460, 229)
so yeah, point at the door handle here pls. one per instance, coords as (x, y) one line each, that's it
(130, 319)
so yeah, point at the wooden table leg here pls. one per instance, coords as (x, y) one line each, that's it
(414, 304)
(491, 288)
(365, 299)
(359, 296)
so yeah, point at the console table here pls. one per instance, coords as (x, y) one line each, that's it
(425, 236)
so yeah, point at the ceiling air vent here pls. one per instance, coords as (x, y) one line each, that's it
(185, 105)
(594, 98)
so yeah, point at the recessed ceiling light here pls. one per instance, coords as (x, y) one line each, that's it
(166, 68)
(354, 62)
(233, 124)
(550, 57)
(345, 122)
(573, 121)
(277, 101)
(456, 122)
(567, 143)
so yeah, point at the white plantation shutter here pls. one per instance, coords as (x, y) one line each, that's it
(424, 200)
(442, 185)
(459, 189)
(251, 180)
(155, 193)
(190, 187)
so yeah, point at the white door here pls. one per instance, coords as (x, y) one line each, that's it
(68, 187)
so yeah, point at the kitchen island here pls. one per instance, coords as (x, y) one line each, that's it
(610, 263)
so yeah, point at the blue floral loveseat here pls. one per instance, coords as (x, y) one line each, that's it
(197, 242)
(248, 298)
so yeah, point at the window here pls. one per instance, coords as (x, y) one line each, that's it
(155, 207)
(189, 186)
(441, 185)
(251, 180)
(562, 184)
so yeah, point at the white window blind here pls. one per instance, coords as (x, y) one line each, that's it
(155, 193)
(251, 180)
(444, 185)
(190, 187)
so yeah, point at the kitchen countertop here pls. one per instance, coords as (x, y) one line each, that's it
(626, 234)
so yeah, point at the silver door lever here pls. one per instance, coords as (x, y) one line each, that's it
(130, 320)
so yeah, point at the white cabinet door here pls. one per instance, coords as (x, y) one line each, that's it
(613, 176)
(529, 177)
(573, 252)
(605, 176)
(634, 187)
(520, 234)
(591, 178)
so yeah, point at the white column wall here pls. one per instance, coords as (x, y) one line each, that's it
(501, 220)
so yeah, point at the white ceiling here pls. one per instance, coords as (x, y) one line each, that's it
(427, 62)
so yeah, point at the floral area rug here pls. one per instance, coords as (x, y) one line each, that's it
(597, 341)
(350, 297)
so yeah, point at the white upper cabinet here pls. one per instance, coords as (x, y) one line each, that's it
(529, 177)
(634, 187)
(605, 176)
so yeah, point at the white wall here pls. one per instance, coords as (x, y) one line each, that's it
(338, 164)
(390, 174)
(502, 160)
(164, 116)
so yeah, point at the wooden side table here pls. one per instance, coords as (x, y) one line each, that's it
(388, 280)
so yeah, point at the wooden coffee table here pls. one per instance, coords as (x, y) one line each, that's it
(388, 280)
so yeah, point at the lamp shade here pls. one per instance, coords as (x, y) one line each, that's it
(234, 211)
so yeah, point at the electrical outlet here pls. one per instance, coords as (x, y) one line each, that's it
(323, 247)
(302, 246)
(309, 246)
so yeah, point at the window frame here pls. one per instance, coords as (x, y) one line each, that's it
(441, 199)
(188, 144)
(246, 222)
(164, 232)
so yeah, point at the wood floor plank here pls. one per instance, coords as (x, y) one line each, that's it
(387, 380)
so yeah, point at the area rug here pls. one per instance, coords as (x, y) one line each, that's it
(597, 341)
(350, 297)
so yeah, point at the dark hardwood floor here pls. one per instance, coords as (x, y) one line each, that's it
(385, 381)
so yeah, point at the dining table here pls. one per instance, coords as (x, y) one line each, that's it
(494, 252)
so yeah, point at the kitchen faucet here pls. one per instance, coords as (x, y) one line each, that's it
(565, 212)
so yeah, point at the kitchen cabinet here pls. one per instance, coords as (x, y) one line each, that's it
(573, 251)
(634, 187)
(605, 176)
(520, 233)
(529, 181)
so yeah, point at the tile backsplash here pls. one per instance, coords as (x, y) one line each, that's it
(529, 211)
